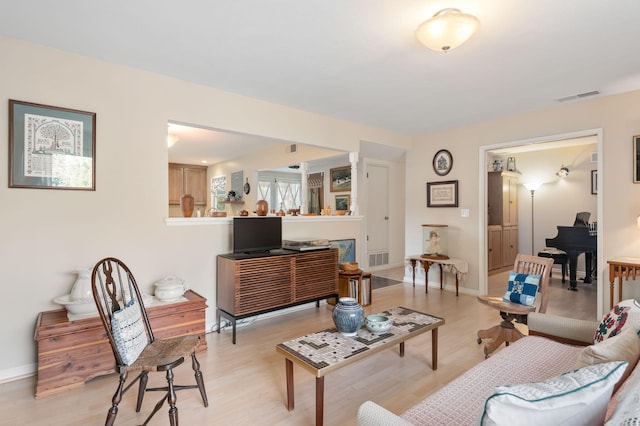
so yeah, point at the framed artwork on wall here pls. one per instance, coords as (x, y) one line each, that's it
(594, 182)
(442, 194)
(51, 147)
(342, 203)
(340, 179)
(442, 162)
(636, 160)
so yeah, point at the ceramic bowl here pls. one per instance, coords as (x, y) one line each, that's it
(170, 289)
(377, 323)
(349, 266)
(77, 307)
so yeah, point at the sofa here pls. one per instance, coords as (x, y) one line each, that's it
(566, 371)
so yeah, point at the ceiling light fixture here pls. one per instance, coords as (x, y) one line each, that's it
(447, 30)
(563, 172)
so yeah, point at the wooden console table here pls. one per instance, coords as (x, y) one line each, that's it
(621, 267)
(71, 353)
(458, 267)
(253, 284)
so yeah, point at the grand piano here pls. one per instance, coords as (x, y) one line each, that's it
(575, 240)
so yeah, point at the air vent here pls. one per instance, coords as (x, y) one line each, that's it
(578, 96)
(378, 259)
(293, 147)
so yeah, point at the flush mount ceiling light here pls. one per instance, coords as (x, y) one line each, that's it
(563, 172)
(447, 30)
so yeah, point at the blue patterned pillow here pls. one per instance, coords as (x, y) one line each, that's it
(522, 288)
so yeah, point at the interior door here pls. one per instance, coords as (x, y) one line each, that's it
(377, 215)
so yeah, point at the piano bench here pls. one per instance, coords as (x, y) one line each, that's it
(559, 257)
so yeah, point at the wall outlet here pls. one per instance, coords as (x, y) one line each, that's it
(464, 212)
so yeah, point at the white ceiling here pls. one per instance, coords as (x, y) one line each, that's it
(357, 60)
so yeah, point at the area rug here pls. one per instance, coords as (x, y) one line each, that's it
(379, 282)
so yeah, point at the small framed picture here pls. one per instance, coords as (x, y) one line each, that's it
(442, 194)
(636, 160)
(442, 162)
(51, 147)
(342, 203)
(594, 182)
(340, 179)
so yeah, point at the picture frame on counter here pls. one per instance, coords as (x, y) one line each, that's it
(51, 147)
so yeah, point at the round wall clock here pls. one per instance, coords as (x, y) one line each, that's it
(442, 162)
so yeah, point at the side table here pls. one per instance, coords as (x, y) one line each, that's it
(363, 280)
(621, 267)
(458, 267)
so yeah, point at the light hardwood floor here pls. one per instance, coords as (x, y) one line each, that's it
(246, 382)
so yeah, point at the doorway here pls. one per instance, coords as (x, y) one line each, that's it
(528, 239)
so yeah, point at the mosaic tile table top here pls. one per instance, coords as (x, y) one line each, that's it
(326, 350)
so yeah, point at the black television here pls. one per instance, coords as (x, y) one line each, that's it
(257, 234)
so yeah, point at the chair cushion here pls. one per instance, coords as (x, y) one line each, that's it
(522, 288)
(579, 397)
(128, 332)
(625, 313)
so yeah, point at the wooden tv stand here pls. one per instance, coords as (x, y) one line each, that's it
(253, 284)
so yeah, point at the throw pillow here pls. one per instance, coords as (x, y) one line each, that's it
(522, 288)
(578, 397)
(128, 332)
(625, 313)
(624, 407)
(622, 347)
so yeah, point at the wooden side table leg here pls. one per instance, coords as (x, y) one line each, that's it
(319, 400)
(612, 284)
(441, 275)
(426, 265)
(456, 284)
(413, 270)
(434, 349)
(289, 369)
(401, 349)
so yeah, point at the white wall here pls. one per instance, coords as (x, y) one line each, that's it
(47, 233)
(619, 119)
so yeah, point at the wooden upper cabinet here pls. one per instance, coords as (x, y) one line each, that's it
(187, 179)
(502, 196)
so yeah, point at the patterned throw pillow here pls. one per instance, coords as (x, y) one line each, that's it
(625, 313)
(522, 288)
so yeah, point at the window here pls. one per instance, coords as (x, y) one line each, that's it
(218, 192)
(280, 190)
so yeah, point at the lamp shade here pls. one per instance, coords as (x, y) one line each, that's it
(447, 30)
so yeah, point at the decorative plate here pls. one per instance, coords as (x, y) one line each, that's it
(442, 162)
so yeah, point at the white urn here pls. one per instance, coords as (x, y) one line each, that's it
(81, 289)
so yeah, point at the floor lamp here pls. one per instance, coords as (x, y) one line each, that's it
(532, 187)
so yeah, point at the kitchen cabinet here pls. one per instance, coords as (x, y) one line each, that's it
(187, 179)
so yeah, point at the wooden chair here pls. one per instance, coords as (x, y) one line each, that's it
(127, 326)
(506, 332)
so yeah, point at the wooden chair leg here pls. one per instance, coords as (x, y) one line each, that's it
(144, 377)
(117, 397)
(171, 399)
(199, 380)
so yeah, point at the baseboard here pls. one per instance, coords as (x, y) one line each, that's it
(17, 373)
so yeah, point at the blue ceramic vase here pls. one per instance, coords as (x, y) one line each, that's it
(348, 316)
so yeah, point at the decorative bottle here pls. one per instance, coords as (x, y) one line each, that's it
(348, 316)
(187, 204)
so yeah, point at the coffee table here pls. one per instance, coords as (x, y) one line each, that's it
(325, 351)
